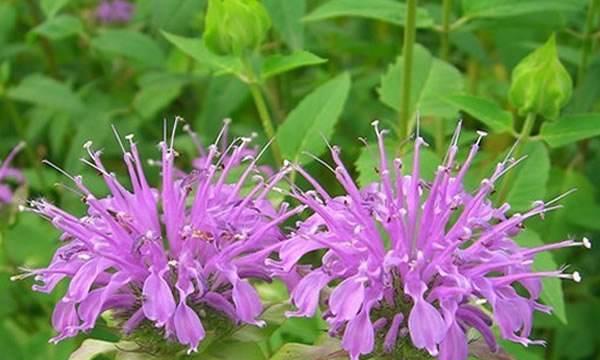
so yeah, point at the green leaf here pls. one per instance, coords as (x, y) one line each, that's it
(529, 182)
(507, 8)
(486, 111)
(90, 348)
(279, 63)
(52, 7)
(226, 350)
(195, 48)
(314, 117)
(41, 90)
(286, 17)
(174, 15)
(571, 128)
(368, 162)
(329, 349)
(59, 27)
(432, 79)
(157, 90)
(552, 293)
(8, 20)
(384, 10)
(130, 44)
(223, 96)
(31, 241)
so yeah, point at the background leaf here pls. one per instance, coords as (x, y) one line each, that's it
(571, 128)
(552, 293)
(385, 10)
(313, 118)
(529, 182)
(277, 64)
(130, 44)
(432, 79)
(42, 90)
(484, 110)
(286, 17)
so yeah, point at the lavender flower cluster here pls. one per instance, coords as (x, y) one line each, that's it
(406, 262)
(114, 11)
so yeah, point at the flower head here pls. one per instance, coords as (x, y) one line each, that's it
(7, 172)
(114, 11)
(170, 256)
(416, 264)
(200, 162)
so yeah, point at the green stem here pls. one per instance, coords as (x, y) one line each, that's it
(407, 53)
(587, 42)
(524, 137)
(265, 118)
(18, 125)
(445, 33)
(440, 133)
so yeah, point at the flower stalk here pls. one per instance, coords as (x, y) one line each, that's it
(407, 54)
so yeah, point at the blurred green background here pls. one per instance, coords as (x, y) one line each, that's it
(327, 68)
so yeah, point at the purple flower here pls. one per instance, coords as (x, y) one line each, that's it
(165, 255)
(7, 172)
(421, 263)
(114, 11)
(200, 162)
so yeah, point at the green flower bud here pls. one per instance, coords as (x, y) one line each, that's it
(235, 26)
(540, 83)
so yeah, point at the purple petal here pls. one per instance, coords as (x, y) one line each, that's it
(306, 295)
(188, 328)
(347, 298)
(426, 326)
(159, 304)
(247, 302)
(454, 346)
(359, 337)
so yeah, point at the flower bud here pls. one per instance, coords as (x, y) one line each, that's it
(540, 83)
(235, 26)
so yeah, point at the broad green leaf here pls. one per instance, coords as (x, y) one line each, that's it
(59, 27)
(41, 90)
(313, 118)
(329, 349)
(530, 178)
(195, 48)
(384, 10)
(571, 128)
(174, 15)
(227, 350)
(580, 208)
(130, 44)
(278, 63)
(368, 162)
(52, 7)
(30, 241)
(552, 293)
(156, 92)
(286, 17)
(223, 96)
(432, 79)
(507, 8)
(484, 110)
(94, 127)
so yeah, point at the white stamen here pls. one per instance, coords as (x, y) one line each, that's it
(576, 277)
(587, 243)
